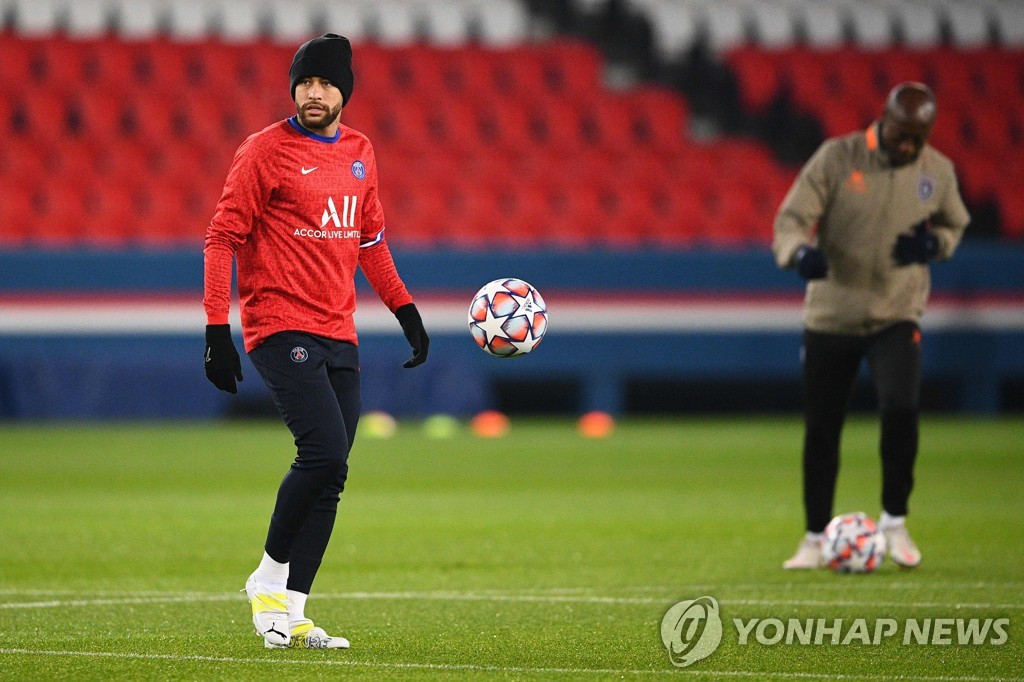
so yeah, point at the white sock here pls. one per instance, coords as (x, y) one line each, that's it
(272, 573)
(888, 521)
(296, 606)
(813, 537)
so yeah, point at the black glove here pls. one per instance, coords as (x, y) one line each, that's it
(919, 247)
(810, 263)
(222, 363)
(412, 327)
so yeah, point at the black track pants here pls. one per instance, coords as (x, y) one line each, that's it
(830, 366)
(315, 385)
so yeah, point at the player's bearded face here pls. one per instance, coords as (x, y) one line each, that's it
(317, 115)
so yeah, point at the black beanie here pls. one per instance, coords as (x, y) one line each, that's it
(330, 57)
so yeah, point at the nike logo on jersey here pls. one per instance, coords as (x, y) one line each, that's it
(307, 171)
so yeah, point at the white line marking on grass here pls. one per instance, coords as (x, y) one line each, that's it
(192, 597)
(877, 584)
(186, 597)
(501, 669)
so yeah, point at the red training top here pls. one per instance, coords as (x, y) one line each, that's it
(299, 211)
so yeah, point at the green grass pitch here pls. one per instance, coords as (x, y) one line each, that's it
(537, 556)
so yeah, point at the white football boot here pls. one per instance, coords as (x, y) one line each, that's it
(305, 635)
(269, 613)
(902, 549)
(808, 555)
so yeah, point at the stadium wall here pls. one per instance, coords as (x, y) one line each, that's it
(87, 335)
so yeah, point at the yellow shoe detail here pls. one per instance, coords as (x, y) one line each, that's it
(268, 602)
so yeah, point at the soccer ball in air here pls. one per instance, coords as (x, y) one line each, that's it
(852, 543)
(508, 317)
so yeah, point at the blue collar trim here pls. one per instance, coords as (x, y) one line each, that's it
(294, 122)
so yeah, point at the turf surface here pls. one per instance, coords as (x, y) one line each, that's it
(537, 556)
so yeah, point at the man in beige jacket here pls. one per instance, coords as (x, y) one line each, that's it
(862, 221)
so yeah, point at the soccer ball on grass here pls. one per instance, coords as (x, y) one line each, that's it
(508, 317)
(852, 543)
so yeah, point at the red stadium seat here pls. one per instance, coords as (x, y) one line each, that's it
(403, 128)
(59, 205)
(998, 75)
(894, 66)
(571, 69)
(558, 125)
(659, 119)
(19, 62)
(463, 73)
(124, 163)
(851, 76)
(167, 64)
(980, 174)
(732, 215)
(18, 214)
(627, 218)
(499, 126)
(846, 114)
(152, 120)
(952, 77)
(517, 73)
(948, 134)
(170, 214)
(108, 216)
(516, 215)
(607, 124)
(22, 157)
(1011, 208)
(993, 128)
(804, 75)
(115, 66)
(677, 214)
(757, 75)
(455, 214)
(415, 209)
(573, 211)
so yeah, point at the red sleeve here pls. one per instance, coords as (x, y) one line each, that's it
(241, 204)
(217, 282)
(379, 267)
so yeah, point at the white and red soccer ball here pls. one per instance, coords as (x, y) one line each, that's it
(853, 543)
(508, 317)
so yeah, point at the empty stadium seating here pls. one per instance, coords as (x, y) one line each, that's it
(980, 93)
(119, 118)
(133, 147)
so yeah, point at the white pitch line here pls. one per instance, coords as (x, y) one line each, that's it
(191, 597)
(874, 586)
(506, 669)
(682, 588)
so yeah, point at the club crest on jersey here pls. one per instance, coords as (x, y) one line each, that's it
(358, 170)
(925, 188)
(299, 354)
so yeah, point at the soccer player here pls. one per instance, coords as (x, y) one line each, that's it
(299, 212)
(866, 215)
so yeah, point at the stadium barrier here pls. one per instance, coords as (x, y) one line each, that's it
(119, 335)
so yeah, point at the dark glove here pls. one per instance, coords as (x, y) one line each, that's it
(412, 327)
(810, 262)
(919, 247)
(222, 363)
